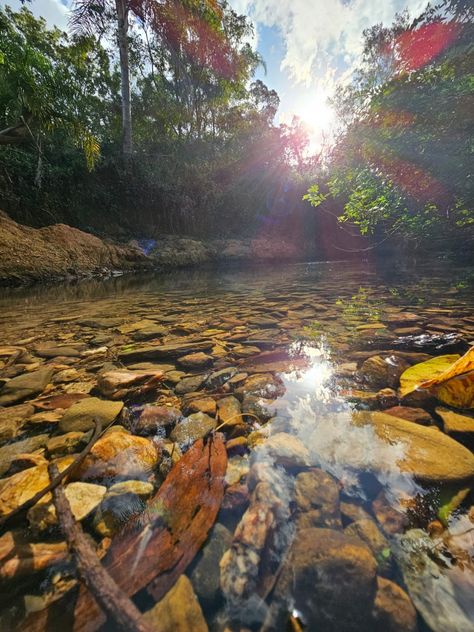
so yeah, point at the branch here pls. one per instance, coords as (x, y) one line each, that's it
(121, 611)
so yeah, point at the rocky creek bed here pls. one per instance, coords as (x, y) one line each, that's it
(339, 502)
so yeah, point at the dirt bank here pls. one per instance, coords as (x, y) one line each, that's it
(58, 252)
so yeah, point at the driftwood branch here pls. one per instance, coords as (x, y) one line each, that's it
(113, 601)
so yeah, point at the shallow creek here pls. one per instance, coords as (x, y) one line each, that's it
(344, 506)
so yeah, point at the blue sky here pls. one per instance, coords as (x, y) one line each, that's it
(308, 46)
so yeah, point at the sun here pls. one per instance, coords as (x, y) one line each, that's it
(317, 114)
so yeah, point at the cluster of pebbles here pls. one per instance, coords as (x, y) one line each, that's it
(161, 371)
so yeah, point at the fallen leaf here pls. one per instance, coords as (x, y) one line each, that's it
(416, 375)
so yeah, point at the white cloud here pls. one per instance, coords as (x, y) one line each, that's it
(53, 11)
(322, 35)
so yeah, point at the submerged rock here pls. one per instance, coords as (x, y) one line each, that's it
(367, 531)
(454, 422)
(13, 419)
(178, 611)
(393, 610)
(81, 415)
(21, 558)
(381, 371)
(194, 427)
(154, 418)
(9, 452)
(25, 386)
(317, 498)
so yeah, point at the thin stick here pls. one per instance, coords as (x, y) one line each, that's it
(109, 596)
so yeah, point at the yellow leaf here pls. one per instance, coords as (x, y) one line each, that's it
(463, 365)
(416, 375)
(458, 391)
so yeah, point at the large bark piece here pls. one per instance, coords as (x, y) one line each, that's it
(156, 549)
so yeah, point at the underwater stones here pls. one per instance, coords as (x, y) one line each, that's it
(317, 499)
(67, 443)
(9, 452)
(192, 428)
(197, 360)
(178, 611)
(204, 574)
(25, 386)
(432, 343)
(19, 557)
(83, 499)
(393, 610)
(201, 405)
(284, 449)
(63, 351)
(13, 419)
(429, 585)
(190, 384)
(454, 422)
(229, 411)
(390, 519)
(115, 384)
(415, 415)
(219, 378)
(119, 455)
(153, 418)
(150, 352)
(367, 531)
(81, 415)
(20, 487)
(428, 454)
(121, 502)
(264, 385)
(330, 578)
(381, 371)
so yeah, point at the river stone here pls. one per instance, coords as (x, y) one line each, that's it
(154, 418)
(229, 411)
(219, 378)
(329, 577)
(378, 371)
(317, 499)
(190, 384)
(80, 416)
(194, 427)
(25, 385)
(150, 352)
(197, 360)
(367, 531)
(66, 351)
(121, 502)
(114, 384)
(12, 420)
(204, 574)
(9, 452)
(202, 405)
(264, 385)
(178, 611)
(430, 455)
(67, 443)
(83, 499)
(119, 455)
(19, 557)
(454, 422)
(429, 585)
(415, 415)
(393, 610)
(284, 449)
(20, 487)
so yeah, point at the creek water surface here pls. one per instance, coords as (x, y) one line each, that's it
(346, 505)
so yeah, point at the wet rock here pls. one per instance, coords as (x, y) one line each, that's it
(196, 361)
(264, 385)
(20, 487)
(367, 531)
(317, 499)
(194, 427)
(204, 574)
(237, 469)
(219, 378)
(454, 422)
(83, 499)
(381, 371)
(121, 502)
(13, 419)
(229, 411)
(178, 611)
(429, 585)
(80, 416)
(393, 610)
(329, 577)
(255, 406)
(119, 455)
(65, 351)
(23, 461)
(404, 318)
(154, 418)
(389, 518)
(67, 443)
(429, 455)
(9, 452)
(25, 386)
(190, 384)
(150, 332)
(151, 352)
(62, 401)
(284, 449)
(205, 405)
(432, 343)
(115, 384)
(415, 415)
(19, 557)
(350, 512)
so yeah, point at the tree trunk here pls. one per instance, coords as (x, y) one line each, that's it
(122, 38)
